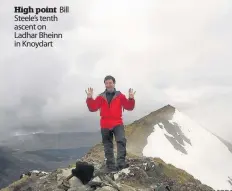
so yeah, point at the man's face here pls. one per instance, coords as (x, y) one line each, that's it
(109, 84)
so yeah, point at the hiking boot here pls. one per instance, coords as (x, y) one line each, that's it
(122, 166)
(107, 170)
(110, 169)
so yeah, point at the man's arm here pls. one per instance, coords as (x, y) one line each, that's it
(127, 104)
(93, 104)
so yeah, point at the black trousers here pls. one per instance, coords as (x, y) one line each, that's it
(107, 139)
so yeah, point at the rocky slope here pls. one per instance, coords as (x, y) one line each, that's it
(144, 173)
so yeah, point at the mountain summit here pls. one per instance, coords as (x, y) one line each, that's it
(166, 151)
(175, 138)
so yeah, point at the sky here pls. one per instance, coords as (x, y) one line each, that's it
(176, 53)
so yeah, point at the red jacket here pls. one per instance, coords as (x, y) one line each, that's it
(111, 114)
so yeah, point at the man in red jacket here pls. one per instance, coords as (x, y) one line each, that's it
(111, 103)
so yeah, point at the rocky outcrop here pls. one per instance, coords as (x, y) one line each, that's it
(143, 174)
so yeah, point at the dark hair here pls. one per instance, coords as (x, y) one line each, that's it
(109, 78)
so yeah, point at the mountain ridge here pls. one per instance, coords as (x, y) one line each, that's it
(176, 135)
(144, 174)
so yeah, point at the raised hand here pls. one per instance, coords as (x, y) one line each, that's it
(89, 92)
(131, 93)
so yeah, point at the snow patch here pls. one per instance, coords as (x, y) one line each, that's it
(208, 159)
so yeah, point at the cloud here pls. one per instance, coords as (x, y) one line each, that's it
(171, 53)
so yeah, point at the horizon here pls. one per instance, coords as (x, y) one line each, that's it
(98, 130)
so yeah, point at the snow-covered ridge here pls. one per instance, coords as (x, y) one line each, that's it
(188, 146)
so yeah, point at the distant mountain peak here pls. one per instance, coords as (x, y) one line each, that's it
(167, 109)
(168, 106)
(164, 113)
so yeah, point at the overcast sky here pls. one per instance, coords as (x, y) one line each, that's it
(177, 53)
